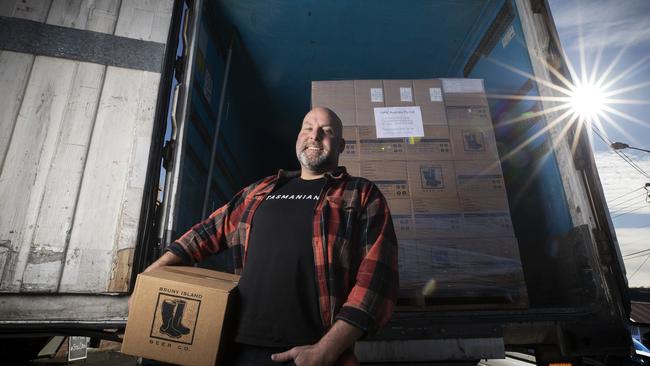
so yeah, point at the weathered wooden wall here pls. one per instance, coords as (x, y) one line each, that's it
(74, 144)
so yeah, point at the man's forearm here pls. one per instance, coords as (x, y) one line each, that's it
(167, 259)
(338, 338)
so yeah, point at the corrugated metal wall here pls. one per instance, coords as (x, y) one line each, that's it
(74, 142)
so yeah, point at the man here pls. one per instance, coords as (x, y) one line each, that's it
(304, 303)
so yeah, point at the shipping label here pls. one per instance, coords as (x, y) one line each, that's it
(396, 122)
(435, 94)
(377, 95)
(406, 94)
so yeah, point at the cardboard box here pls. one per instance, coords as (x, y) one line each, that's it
(393, 189)
(435, 145)
(487, 224)
(477, 116)
(352, 166)
(443, 205)
(381, 149)
(464, 92)
(432, 179)
(402, 215)
(367, 132)
(399, 93)
(384, 170)
(466, 268)
(368, 94)
(410, 265)
(178, 315)
(351, 138)
(414, 267)
(434, 225)
(389, 176)
(480, 186)
(465, 99)
(429, 96)
(473, 143)
(336, 95)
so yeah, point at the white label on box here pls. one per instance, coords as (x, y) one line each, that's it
(405, 94)
(510, 34)
(377, 95)
(462, 85)
(435, 94)
(394, 122)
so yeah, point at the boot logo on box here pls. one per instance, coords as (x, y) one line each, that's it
(431, 177)
(175, 318)
(473, 140)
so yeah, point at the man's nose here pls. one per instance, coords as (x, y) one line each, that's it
(316, 134)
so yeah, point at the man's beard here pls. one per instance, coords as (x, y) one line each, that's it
(318, 163)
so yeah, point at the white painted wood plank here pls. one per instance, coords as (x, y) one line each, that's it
(35, 10)
(63, 176)
(145, 19)
(31, 146)
(93, 15)
(132, 202)
(14, 71)
(63, 307)
(107, 201)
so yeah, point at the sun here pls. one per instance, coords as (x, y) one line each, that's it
(587, 100)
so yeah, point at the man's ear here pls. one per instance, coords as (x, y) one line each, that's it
(342, 145)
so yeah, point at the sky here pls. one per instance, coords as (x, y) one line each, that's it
(610, 41)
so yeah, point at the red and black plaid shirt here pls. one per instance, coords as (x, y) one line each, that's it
(354, 243)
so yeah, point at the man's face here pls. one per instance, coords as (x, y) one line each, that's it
(319, 142)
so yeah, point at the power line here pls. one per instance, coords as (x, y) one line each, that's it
(627, 200)
(621, 154)
(619, 210)
(625, 213)
(634, 164)
(640, 255)
(637, 252)
(639, 267)
(623, 195)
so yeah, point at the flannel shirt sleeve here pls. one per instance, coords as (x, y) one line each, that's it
(210, 235)
(372, 299)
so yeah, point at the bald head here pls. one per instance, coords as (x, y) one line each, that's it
(333, 117)
(319, 142)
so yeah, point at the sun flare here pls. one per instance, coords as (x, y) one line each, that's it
(587, 100)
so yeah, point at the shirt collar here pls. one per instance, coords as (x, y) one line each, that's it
(338, 173)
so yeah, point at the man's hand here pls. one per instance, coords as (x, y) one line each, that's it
(338, 338)
(167, 259)
(305, 356)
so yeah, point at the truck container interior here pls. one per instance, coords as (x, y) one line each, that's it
(280, 47)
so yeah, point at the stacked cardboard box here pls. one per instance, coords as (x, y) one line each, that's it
(437, 164)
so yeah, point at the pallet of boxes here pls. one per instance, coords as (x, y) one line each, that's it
(429, 146)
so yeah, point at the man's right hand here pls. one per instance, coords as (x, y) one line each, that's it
(167, 259)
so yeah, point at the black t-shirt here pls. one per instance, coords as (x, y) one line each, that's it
(279, 296)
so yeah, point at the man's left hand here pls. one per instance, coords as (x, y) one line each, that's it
(304, 356)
